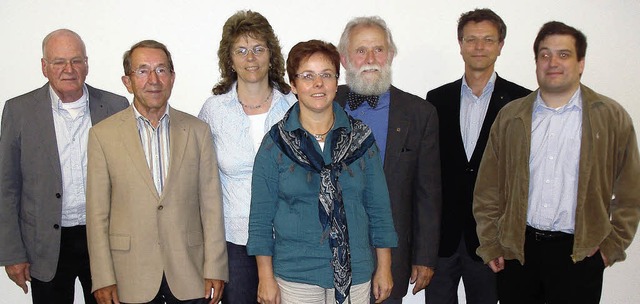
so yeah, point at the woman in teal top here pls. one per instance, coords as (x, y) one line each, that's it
(319, 198)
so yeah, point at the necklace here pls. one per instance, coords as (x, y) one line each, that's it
(258, 106)
(319, 137)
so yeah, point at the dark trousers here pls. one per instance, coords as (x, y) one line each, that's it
(165, 296)
(479, 280)
(73, 263)
(242, 287)
(549, 274)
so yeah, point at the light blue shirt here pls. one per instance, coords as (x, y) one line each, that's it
(554, 164)
(377, 119)
(473, 109)
(72, 136)
(155, 144)
(231, 129)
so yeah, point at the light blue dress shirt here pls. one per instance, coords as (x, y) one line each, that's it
(473, 109)
(554, 165)
(231, 129)
(72, 136)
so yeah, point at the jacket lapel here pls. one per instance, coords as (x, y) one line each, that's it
(398, 128)
(43, 120)
(97, 108)
(131, 138)
(178, 134)
(499, 98)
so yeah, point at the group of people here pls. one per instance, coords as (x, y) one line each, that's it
(310, 192)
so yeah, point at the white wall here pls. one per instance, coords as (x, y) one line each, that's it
(425, 32)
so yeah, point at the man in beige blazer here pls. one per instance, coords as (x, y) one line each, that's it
(154, 214)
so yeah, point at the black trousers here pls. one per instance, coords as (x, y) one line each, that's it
(242, 287)
(165, 296)
(479, 280)
(73, 263)
(549, 274)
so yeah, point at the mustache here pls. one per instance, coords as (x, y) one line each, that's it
(370, 67)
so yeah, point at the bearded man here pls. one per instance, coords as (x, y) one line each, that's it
(406, 129)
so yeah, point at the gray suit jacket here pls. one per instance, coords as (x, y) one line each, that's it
(412, 170)
(31, 179)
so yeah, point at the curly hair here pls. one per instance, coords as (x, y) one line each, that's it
(256, 26)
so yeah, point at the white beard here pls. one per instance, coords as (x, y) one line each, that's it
(364, 86)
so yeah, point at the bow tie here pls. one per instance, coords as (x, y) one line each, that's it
(355, 100)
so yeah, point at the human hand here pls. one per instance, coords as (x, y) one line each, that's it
(421, 277)
(268, 291)
(19, 274)
(497, 264)
(382, 284)
(107, 295)
(218, 288)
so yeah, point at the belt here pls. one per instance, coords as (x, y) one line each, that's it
(543, 235)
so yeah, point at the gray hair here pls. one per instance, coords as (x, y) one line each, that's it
(343, 46)
(63, 32)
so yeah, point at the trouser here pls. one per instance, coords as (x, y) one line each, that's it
(479, 280)
(296, 293)
(165, 296)
(242, 287)
(549, 274)
(73, 262)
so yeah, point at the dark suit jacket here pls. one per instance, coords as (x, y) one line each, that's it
(31, 178)
(459, 174)
(412, 170)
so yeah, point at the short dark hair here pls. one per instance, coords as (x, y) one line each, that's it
(479, 15)
(256, 26)
(152, 44)
(559, 28)
(304, 50)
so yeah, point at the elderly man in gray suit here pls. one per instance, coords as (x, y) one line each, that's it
(43, 145)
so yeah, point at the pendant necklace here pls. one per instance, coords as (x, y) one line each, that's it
(258, 106)
(319, 137)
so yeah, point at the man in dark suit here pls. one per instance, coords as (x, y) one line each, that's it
(467, 108)
(406, 130)
(43, 174)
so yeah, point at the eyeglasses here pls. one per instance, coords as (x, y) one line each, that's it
(311, 77)
(256, 50)
(144, 72)
(473, 40)
(60, 63)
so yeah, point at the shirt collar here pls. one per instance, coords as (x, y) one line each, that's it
(56, 103)
(574, 102)
(139, 116)
(489, 86)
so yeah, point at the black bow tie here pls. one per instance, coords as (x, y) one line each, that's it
(355, 100)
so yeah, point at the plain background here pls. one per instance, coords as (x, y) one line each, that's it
(424, 31)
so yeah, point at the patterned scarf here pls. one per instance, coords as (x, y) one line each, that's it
(346, 147)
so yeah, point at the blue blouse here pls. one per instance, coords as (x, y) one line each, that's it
(284, 218)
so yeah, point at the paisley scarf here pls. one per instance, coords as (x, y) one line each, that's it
(346, 147)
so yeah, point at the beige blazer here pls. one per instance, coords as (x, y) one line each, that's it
(134, 235)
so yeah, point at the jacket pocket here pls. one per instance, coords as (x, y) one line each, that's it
(195, 238)
(120, 242)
